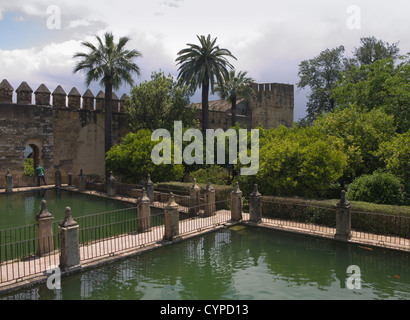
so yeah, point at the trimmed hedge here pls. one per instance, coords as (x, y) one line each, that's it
(366, 217)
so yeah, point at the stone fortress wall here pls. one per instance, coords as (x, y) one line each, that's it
(66, 131)
(272, 105)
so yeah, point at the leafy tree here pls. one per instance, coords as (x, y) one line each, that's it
(321, 74)
(372, 50)
(158, 103)
(111, 64)
(395, 154)
(235, 86)
(380, 85)
(362, 133)
(202, 66)
(131, 160)
(296, 161)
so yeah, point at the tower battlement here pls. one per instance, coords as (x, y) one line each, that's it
(58, 98)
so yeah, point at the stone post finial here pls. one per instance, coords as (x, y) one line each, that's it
(343, 218)
(343, 200)
(68, 219)
(194, 198)
(149, 187)
(209, 201)
(143, 212)
(44, 211)
(44, 230)
(255, 205)
(69, 242)
(171, 219)
(111, 190)
(236, 203)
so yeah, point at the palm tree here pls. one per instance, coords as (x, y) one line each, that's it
(112, 65)
(235, 86)
(201, 66)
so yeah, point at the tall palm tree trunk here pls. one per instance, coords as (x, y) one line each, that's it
(205, 106)
(108, 116)
(233, 119)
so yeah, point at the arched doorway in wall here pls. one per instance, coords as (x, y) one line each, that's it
(31, 158)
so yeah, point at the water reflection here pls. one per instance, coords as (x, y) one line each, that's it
(242, 263)
(21, 209)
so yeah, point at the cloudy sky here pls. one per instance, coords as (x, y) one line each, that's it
(269, 38)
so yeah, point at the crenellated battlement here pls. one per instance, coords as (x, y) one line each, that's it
(58, 98)
(276, 88)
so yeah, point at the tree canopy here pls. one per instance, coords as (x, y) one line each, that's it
(158, 103)
(203, 66)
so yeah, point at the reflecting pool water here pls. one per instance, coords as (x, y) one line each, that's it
(20, 209)
(242, 263)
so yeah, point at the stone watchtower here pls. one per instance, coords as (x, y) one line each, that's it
(272, 105)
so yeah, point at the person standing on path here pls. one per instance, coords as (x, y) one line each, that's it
(40, 174)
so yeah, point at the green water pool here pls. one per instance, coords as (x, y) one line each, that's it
(241, 263)
(20, 209)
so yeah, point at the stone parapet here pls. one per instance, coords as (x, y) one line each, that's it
(43, 95)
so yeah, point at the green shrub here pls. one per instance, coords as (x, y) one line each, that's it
(213, 174)
(28, 167)
(131, 160)
(379, 187)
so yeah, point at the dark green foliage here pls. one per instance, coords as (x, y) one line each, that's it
(378, 187)
(131, 160)
(214, 174)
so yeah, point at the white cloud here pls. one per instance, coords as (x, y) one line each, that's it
(78, 23)
(269, 38)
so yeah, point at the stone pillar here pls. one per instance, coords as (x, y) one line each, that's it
(194, 196)
(74, 99)
(42, 95)
(343, 219)
(144, 212)
(111, 185)
(45, 230)
(69, 243)
(255, 205)
(59, 97)
(9, 182)
(24, 93)
(81, 181)
(171, 219)
(236, 203)
(149, 187)
(209, 198)
(70, 179)
(6, 92)
(58, 178)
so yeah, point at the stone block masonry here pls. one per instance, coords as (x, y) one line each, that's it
(272, 105)
(65, 132)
